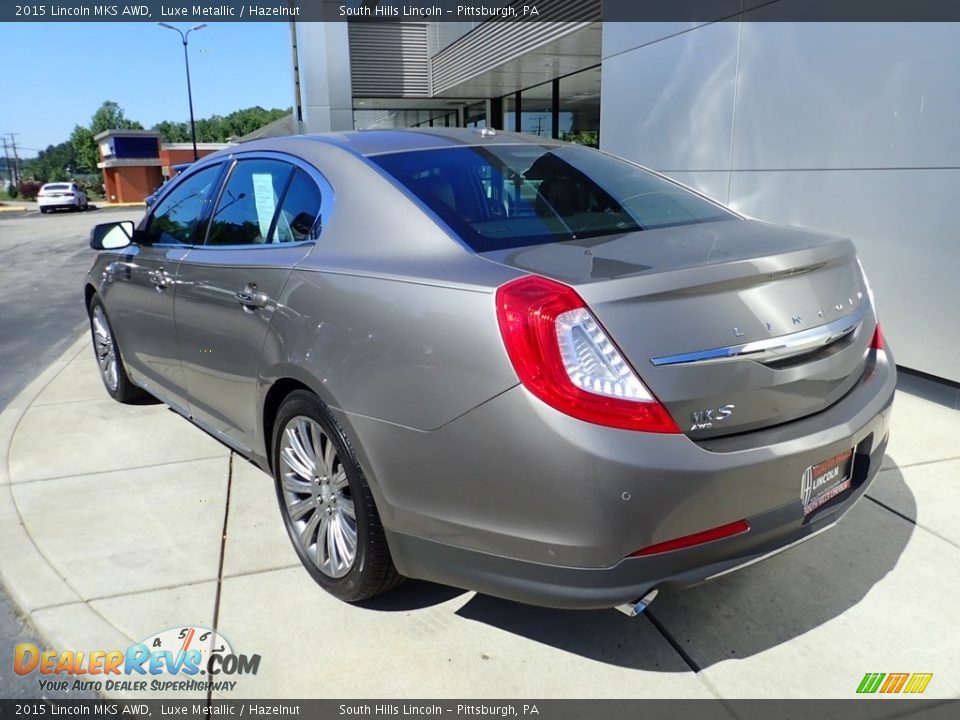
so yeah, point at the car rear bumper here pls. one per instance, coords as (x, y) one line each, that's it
(770, 533)
(496, 503)
(58, 202)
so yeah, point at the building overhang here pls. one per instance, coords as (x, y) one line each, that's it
(129, 162)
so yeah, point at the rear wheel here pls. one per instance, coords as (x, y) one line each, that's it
(326, 503)
(44, 210)
(112, 371)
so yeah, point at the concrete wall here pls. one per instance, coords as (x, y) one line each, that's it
(323, 51)
(848, 128)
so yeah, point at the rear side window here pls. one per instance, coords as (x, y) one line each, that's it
(248, 203)
(298, 211)
(176, 216)
(505, 196)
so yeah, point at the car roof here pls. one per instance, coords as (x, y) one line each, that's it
(377, 142)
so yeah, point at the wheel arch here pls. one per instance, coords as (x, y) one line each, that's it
(276, 393)
(88, 292)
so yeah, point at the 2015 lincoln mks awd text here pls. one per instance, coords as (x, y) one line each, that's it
(500, 362)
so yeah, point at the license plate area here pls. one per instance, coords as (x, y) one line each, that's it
(826, 480)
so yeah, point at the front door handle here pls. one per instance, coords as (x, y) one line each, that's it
(250, 298)
(159, 279)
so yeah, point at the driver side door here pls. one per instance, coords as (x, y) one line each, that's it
(142, 283)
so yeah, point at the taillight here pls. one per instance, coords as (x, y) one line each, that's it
(717, 533)
(877, 342)
(563, 355)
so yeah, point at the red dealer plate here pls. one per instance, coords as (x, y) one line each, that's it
(822, 482)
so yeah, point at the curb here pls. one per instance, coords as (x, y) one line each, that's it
(13, 208)
(24, 570)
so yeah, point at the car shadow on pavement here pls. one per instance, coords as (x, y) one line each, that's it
(412, 595)
(735, 616)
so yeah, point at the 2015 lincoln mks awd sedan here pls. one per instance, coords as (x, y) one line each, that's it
(500, 362)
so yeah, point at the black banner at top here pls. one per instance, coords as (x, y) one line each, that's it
(473, 11)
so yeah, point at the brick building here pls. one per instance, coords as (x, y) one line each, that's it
(135, 162)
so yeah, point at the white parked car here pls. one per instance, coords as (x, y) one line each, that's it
(61, 195)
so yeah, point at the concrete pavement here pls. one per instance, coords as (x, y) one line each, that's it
(117, 522)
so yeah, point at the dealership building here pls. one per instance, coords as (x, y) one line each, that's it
(847, 128)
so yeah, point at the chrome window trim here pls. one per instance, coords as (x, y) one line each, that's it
(775, 348)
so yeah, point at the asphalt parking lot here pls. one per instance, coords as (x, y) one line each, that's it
(117, 522)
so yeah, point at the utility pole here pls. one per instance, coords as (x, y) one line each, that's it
(16, 159)
(6, 157)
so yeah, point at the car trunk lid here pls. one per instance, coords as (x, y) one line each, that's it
(734, 325)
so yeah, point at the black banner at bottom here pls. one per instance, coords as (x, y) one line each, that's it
(875, 708)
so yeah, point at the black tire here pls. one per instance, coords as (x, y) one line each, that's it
(124, 391)
(44, 211)
(372, 571)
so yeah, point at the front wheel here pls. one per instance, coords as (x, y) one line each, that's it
(326, 503)
(112, 371)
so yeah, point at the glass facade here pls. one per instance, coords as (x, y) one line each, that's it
(580, 107)
(565, 109)
(577, 113)
(475, 116)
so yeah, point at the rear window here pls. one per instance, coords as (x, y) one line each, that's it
(56, 187)
(506, 196)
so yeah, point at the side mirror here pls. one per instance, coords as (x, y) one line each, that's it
(112, 236)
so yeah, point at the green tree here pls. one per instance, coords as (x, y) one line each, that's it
(219, 128)
(57, 162)
(84, 148)
(110, 116)
(171, 132)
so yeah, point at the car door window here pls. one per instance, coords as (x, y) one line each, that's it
(175, 218)
(248, 203)
(298, 210)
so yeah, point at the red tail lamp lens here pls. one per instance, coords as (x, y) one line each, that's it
(717, 533)
(565, 357)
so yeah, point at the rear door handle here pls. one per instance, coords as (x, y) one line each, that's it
(250, 298)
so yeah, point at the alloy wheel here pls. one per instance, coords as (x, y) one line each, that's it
(103, 344)
(317, 497)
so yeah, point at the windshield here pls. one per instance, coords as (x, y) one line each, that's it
(505, 196)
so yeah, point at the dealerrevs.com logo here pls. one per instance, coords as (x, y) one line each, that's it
(189, 659)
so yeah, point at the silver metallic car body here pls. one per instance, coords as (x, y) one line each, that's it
(389, 318)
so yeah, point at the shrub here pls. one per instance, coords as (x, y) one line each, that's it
(12, 190)
(28, 190)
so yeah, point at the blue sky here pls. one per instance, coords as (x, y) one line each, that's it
(56, 75)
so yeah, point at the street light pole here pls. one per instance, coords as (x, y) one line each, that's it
(186, 61)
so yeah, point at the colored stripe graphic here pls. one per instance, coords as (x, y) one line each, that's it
(918, 683)
(892, 683)
(870, 682)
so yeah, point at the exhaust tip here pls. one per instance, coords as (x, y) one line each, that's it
(632, 609)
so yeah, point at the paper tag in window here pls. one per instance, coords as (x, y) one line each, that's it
(265, 199)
